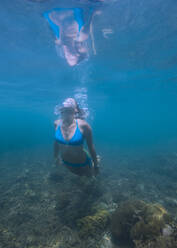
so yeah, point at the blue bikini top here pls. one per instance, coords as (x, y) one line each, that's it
(78, 16)
(76, 140)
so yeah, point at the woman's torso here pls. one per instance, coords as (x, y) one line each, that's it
(71, 141)
(65, 19)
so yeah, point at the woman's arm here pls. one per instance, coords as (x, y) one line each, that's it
(56, 148)
(88, 28)
(91, 31)
(88, 136)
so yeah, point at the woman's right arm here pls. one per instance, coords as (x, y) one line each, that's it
(56, 147)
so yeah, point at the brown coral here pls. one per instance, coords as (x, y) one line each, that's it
(138, 222)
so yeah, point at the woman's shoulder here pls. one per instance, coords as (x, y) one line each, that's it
(83, 124)
(81, 121)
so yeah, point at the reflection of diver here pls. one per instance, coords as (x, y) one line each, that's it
(71, 131)
(72, 27)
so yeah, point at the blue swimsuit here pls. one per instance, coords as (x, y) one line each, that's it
(76, 140)
(78, 16)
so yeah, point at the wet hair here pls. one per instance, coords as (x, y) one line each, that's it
(80, 114)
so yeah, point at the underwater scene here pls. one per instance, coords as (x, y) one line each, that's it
(88, 127)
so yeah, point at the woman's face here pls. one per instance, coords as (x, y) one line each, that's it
(67, 113)
(71, 58)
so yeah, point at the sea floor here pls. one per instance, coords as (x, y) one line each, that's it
(40, 205)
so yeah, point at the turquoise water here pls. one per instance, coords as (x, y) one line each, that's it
(130, 84)
(130, 91)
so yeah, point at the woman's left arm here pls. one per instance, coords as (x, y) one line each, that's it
(91, 147)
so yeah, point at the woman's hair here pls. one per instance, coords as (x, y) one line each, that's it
(80, 114)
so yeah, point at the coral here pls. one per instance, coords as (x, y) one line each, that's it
(93, 224)
(143, 231)
(153, 220)
(159, 242)
(155, 211)
(124, 218)
(138, 221)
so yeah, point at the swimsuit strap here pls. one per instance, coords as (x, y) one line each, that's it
(55, 27)
(78, 15)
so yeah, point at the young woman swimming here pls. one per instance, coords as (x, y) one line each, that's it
(72, 28)
(70, 133)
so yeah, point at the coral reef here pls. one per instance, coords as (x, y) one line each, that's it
(83, 195)
(142, 224)
(93, 224)
(124, 218)
(153, 219)
(159, 242)
(46, 207)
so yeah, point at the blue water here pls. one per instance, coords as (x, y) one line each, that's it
(130, 91)
(130, 86)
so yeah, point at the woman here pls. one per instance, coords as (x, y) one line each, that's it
(72, 28)
(71, 131)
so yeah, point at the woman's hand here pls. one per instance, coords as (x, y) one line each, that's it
(98, 159)
(96, 166)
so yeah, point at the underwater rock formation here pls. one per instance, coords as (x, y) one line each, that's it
(138, 222)
(159, 242)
